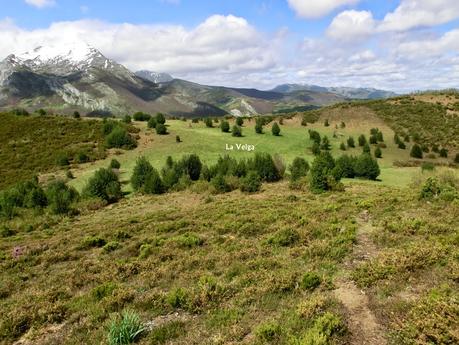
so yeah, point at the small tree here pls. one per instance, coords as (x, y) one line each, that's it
(314, 136)
(225, 126)
(367, 167)
(350, 142)
(275, 129)
(161, 129)
(209, 123)
(326, 123)
(343, 124)
(236, 131)
(416, 151)
(251, 183)
(152, 123)
(456, 159)
(342, 147)
(444, 153)
(401, 145)
(115, 164)
(321, 172)
(259, 127)
(380, 137)
(60, 197)
(76, 114)
(325, 144)
(160, 118)
(192, 166)
(104, 185)
(142, 169)
(373, 140)
(298, 169)
(362, 140)
(239, 121)
(127, 119)
(120, 138)
(366, 148)
(315, 149)
(153, 183)
(378, 152)
(177, 139)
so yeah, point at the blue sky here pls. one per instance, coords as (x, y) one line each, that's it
(401, 45)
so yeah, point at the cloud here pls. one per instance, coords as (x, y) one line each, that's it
(351, 25)
(41, 3)
(220, 45)
(317, 9)
(418, 13)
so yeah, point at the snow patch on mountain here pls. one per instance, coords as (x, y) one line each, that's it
(155, 77)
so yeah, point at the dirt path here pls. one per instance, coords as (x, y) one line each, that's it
(363, 325)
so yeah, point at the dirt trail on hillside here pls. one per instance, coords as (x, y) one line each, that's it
(363, 325)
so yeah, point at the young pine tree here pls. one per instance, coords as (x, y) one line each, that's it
(378, 152)
(416, 151)
(362, 140)
(236, 131)
(225, 126)
(259, 127)
(239, 121)
(275, 129)
(350, 142)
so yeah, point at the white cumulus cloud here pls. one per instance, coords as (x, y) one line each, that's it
(417, 13)
(317, 8)
(41, 3)
(351, 25)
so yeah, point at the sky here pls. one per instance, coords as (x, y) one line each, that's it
(398, 45)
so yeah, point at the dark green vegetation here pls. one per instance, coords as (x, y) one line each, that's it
(33, 144)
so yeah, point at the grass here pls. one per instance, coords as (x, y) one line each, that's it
(31, 145)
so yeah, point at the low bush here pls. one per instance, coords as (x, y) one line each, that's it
(284, 238)
(310, 281)
(251, 183)
(104, 185)
(60, 197)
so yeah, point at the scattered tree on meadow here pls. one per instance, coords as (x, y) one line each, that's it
(342, 147)
(298, 169)
(275, 129)
(225, 126)
(350, 142)
(366, 148)
(444, 153)
(161, 129)
(315, 149)
(416, 151)
(239, 121)
(141, 170)
(153, 183)
(209, 123)
(127, 119)
(326, 123)
(378, 152)
(401, 145)
(236, 131)
(76, 115)
(259, 126)
(321, 176)
(325, 144)
(120, 138)
(367, 167)
(362, 140)
(314, 136)
(152, 122)
(251, 183)
(60, 197)
(160, 118)
(104, 185)
(115, 164)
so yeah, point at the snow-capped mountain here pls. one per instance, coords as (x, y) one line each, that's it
(155, 77)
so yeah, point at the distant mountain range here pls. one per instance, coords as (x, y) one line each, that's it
(78, 77)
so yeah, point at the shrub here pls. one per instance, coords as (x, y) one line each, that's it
(152, 123)
(298, 169)
(220, 184)
(315, 149)
(380, 137)
(177, 139)
(104, 185)
(60, 197)
(225, 126)
(326, 123)
(145, 250)
(209, 123)
(177, 298)
(344, 167)
(62, 159)
(427, 166)
(259, 127)
(456, 159)
(160, 118)
(125, 329)
(269, 332)
(161, 129)
(192, 166)
(416, 151)
(264, 165)
(120, 138)
(367, 167)
(189, 240)
(373, 140)
(342, 147)
(141, 171)
(401, 145)
(115, 164)
(314, 136)
(378, 152)
(239, 121)
(325, 144)
(366, 148)
(81, 157)
(310, 281)
(321, 170)
(140, 116)
(284, 238)
(111, 246)
(236, 131)
(76, 115)
(93, 242)
(153, 183)
(430, 189)
(275, 129)
(127, 119)
(362, 140)
(443, 153)
(251, 183)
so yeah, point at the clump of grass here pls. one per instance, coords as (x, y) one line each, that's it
(310, 281)
(92, 242)
(189, 240)
(125, 329)
(111, 246)
(284, 238)
(177, 298)
(167, 332)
